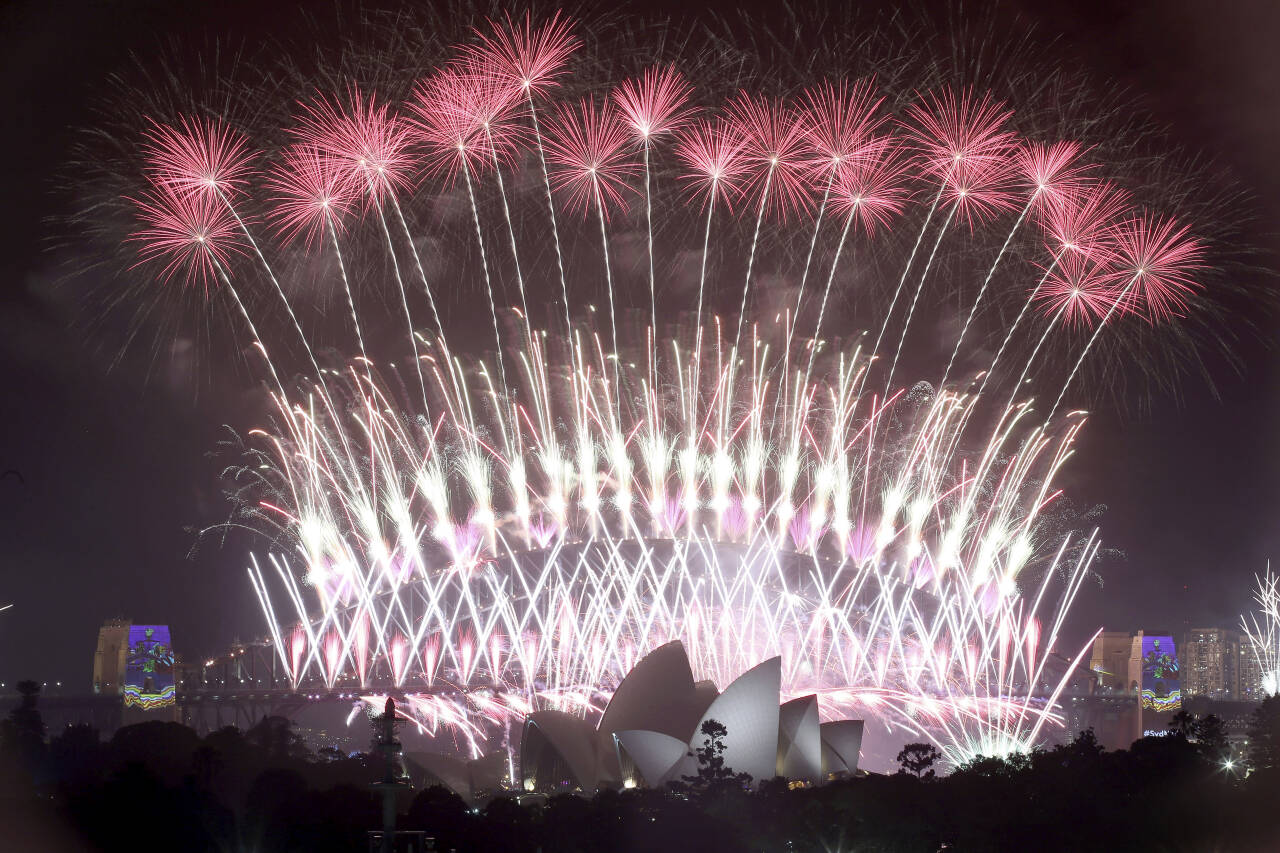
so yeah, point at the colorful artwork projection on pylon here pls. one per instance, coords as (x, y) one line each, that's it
(148, 674)
(1161, 689)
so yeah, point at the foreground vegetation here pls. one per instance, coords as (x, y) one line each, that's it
(159, 784)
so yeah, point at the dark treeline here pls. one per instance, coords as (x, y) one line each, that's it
(159, 785)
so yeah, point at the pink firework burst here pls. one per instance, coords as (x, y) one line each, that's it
(309, 191)
(368, 141)
(871, 186)
(981, 190)
(587, 152)
(464, 120)
(1053, 172)
(1079, 288)
(775, 142)
(1082, 223)
(957, 134)
(655, 104)
(841, 120)
(712, 155)
(193, 234)
(523, 56)
(197, 157)
(1156, 262)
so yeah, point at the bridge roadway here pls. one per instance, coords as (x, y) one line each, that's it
(237, 688)
(205, 708)
(249, 681)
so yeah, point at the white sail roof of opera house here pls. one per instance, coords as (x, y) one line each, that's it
(841, 745)
(800, 740)
(562, 749)
(472, 780)
(748, 709)
(658, 695)
(650, 755)
(650, 728)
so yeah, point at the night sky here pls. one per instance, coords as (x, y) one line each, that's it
(105, 460)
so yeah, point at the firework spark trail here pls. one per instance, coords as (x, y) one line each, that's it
(694, 384)
(977, 300)
(959, 140)
(1017, 321)
(1092, 340)
(551, 207)
(652, 105)
(648, 222)
(511, 230)
(190, 233)
(608, 277)
(826, 292)
(309, 197)
(906, 269)
(404, 297)
(1081, 228)
(1158, 258)
(911, 310)
(713, 156)
(775, 140)
(808, 260)
(417, 262)
(867, 190)
(488, 282)
(840, 126)
(1262, 628)
(528, 59)
(1026, 368)
(1077, 292)
(589, 152)
(293, 318)
(751, 257)
(244, 312)
(346, 288)
(1055, 182)
(455, 114)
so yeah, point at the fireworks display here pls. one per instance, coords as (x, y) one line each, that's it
(1262, 628)
(491, 534)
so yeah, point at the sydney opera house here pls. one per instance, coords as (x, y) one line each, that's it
(651, 727)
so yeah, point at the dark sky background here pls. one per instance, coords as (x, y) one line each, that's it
(110, 469)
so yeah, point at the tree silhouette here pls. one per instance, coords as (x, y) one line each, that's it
(22, 734)
(25, 723)
(918, 759)
(1264, 736)
(275, 736)
(1210, 736)
(1183, 724)
(712, 770)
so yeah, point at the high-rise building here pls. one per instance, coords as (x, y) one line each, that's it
(1250, 673)
(1217, 663)
(1211, 663)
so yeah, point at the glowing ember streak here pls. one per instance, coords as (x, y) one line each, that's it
(1262, 628)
